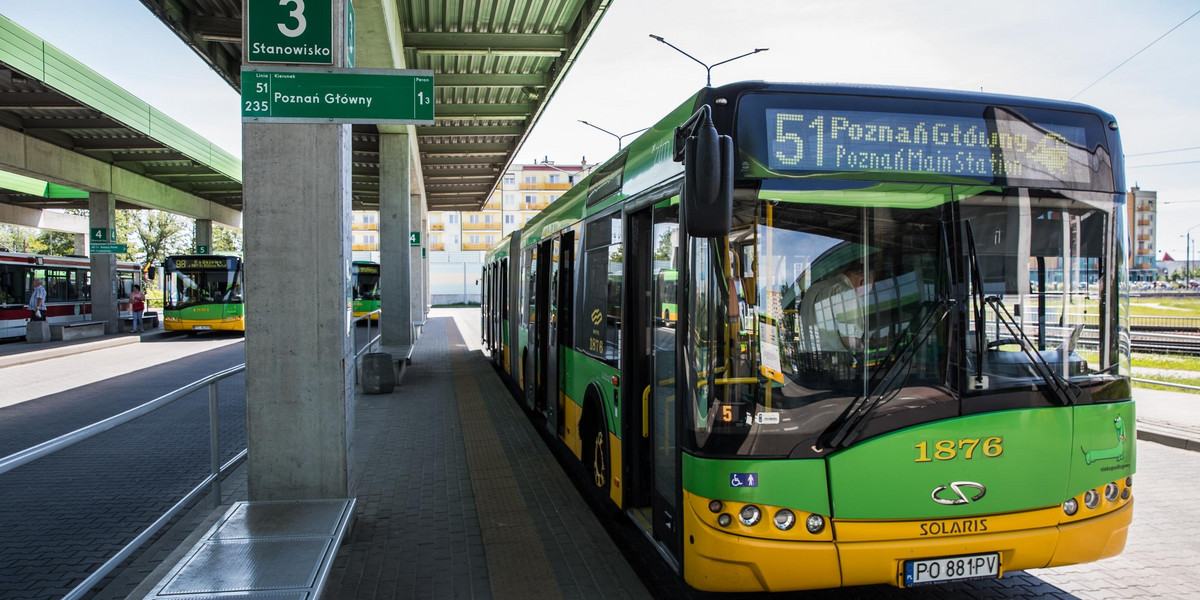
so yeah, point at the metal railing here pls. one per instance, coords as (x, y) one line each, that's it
(1182, 386)
(213, 480)
(370, 342)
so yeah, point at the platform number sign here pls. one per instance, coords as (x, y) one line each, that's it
(414, 238)
(99, 234)
(289, 31)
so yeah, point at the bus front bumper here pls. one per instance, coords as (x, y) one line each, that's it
(715, 560)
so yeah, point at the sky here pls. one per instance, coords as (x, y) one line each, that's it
(624, 80)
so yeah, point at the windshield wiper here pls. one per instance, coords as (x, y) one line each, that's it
(848, 425)
(1040, 365)
(1056, 382)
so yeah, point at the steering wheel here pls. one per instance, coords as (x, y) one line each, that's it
(995, 344)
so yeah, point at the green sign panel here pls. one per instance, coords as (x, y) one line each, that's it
(99, 234)
(201, 249)
(317, 95)
(108, 248)
(414, 238)
(289, 31)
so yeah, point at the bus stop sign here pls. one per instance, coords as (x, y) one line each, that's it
(289, 31)
(329, 95)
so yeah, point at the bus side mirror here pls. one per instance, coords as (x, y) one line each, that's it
(708, 182)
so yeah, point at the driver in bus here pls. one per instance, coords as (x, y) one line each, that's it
(831, 312)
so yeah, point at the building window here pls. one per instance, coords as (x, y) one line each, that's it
(510, 219)
(530, 199)
(510, 179)
(474, 239)
(490, 239)
(452, 218)
(554, 177)
(531, 179)
(472, 218)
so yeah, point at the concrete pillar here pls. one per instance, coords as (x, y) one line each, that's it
(416, 291)
(102, 212)
(395, 220)
(203, 236)
(424, 273)
(81, 245)
(299, 353)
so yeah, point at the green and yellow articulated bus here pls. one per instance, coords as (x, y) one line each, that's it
(364, 283)
(203, 292)
(810, 336)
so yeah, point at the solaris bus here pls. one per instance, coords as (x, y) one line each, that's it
(203, 292)
(364, 284)
(810, 336)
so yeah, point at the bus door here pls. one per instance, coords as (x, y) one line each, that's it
(653, 484)
(542, 342)
(564, 286)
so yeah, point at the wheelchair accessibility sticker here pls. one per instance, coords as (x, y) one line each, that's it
(743, 480)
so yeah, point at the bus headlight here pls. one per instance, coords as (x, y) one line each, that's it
(1091, 499)
(814, 523)
(1071, 507)
(715, 506)
(784, 519)
(750, 515)
(1111, 492)
(724, 520)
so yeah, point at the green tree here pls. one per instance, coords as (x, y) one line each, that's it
(152, 235)
(226, 239)
(17, 239)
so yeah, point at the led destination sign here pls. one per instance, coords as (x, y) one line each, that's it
(201, 263)
(1006, 147)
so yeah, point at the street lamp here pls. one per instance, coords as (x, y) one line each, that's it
(619, 137)
(1188, 257)
(708, 68)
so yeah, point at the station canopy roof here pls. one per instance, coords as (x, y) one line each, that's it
(496, 65)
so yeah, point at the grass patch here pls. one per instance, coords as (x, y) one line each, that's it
(1165, 307)
(1167, 361)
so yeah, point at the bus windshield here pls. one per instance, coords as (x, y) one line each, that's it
(846, 307)
(189, 283)
(366, 281)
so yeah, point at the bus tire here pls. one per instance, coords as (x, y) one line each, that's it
(596, 452)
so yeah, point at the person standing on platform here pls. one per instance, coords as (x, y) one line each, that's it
(37, 301)
(137, 301)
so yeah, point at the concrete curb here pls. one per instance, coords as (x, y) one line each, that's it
(23, 358)
(1169, 435)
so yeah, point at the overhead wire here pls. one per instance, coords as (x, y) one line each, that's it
(1162, 152)
(1135, 54)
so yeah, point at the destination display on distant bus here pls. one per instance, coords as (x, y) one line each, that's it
(1003, 148)
(200, 263)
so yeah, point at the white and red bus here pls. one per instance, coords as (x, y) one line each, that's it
(68, 289)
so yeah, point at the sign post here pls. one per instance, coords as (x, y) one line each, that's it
(289, 31)
(324, 95)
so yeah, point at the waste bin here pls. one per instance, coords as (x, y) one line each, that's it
(378, 373)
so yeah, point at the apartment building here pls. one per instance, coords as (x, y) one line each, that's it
(1141, 208)
(457, 240)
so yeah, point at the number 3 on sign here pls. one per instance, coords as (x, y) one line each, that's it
(298, 14)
